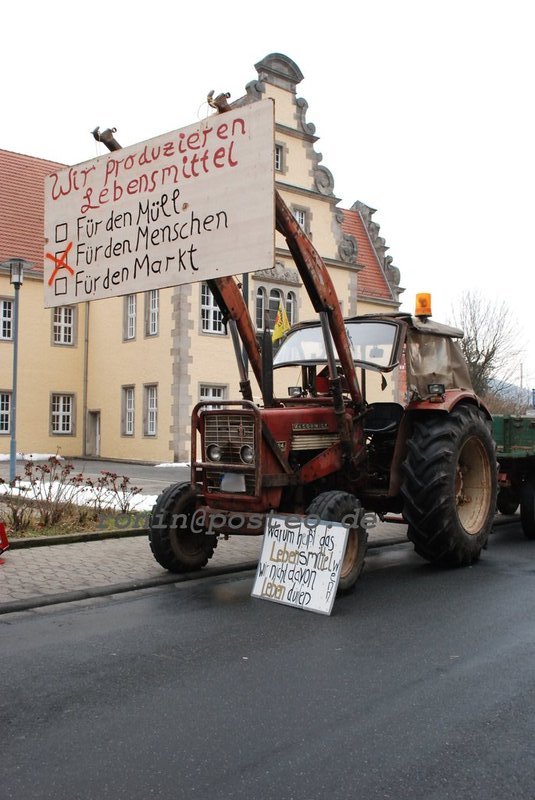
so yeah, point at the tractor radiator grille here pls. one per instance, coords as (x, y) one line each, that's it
(230, 432)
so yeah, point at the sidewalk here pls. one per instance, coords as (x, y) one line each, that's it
(33, 576)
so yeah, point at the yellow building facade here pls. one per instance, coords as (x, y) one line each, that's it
(118, 378)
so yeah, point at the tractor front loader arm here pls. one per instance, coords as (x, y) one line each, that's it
(320, 289)
(233, 307)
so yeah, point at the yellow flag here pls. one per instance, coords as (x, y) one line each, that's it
(282, 324)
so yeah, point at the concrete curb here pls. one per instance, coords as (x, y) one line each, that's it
(120, 588)
(41, 601)
(73, 538)
(165, 579)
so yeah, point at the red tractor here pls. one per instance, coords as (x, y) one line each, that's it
(323, 450)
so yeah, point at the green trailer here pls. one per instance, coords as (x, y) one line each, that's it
(515, 448)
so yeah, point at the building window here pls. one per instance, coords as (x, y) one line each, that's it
(210, 313)
(291, 307)
(152, 312)
(6, 319)
(62, 414)
(5, 412)
(129, 322)
(150, 427)
(260, 308)
(301, 216)
(128, 400)
(210, 392)
(63, 325)
(279, 152)
(275, 299)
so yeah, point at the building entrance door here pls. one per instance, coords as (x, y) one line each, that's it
(93, 433)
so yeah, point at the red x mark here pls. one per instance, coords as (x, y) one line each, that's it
(59, 262)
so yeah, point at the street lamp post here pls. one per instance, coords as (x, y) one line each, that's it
(16, 276)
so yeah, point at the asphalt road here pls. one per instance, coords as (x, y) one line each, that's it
(420, 685)
(149, 478)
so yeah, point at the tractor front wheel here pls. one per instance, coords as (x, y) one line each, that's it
(175, 542)
(339, 507)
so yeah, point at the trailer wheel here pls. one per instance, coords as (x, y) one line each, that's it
(174, 545)
(507, 502)
(449, 486)
(336, 507)
(527, 509)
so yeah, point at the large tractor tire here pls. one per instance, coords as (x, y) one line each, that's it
(527, 509)
(450, 485)
(507, 502)
(336, 507)
(174, 545)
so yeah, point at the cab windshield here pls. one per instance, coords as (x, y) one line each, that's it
(373, 344)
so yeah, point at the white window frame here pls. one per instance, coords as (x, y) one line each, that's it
(150, 423)
(211, 318)
(63, 325)
(6, 319)
(62, 414)
(5, 412)
(291, 307)
(130, 317)
(129, 409)
(300, 215)
(212, 391)
(152, 312)
(260, 308)
(277, 294)
(279, 157)
(276, 297)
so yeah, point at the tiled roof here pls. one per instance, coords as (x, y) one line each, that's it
(22, 206)
(372, 283)
(22, 222)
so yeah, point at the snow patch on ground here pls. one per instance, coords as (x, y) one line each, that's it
(31, 456)
(85, 497)
(175, 464)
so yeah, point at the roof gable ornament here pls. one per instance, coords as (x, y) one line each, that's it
(302, 108)
(392, 273)
(278, 274)
(279, 70)
(348, 248)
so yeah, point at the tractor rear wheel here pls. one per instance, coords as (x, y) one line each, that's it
(174, 544)
(449, 485)
(337, 507)
(527, 509)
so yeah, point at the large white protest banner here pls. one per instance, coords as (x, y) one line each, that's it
(194, 204)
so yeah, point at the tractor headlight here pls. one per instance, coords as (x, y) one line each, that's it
(213, 452)
(247, 454)
(436, 392)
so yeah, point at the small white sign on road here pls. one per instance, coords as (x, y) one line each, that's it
(193, 204)
(300, 562)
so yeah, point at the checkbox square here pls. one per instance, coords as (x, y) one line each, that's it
(60, 286)
(61, 232)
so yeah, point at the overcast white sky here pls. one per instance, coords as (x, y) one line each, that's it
(424, 111)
